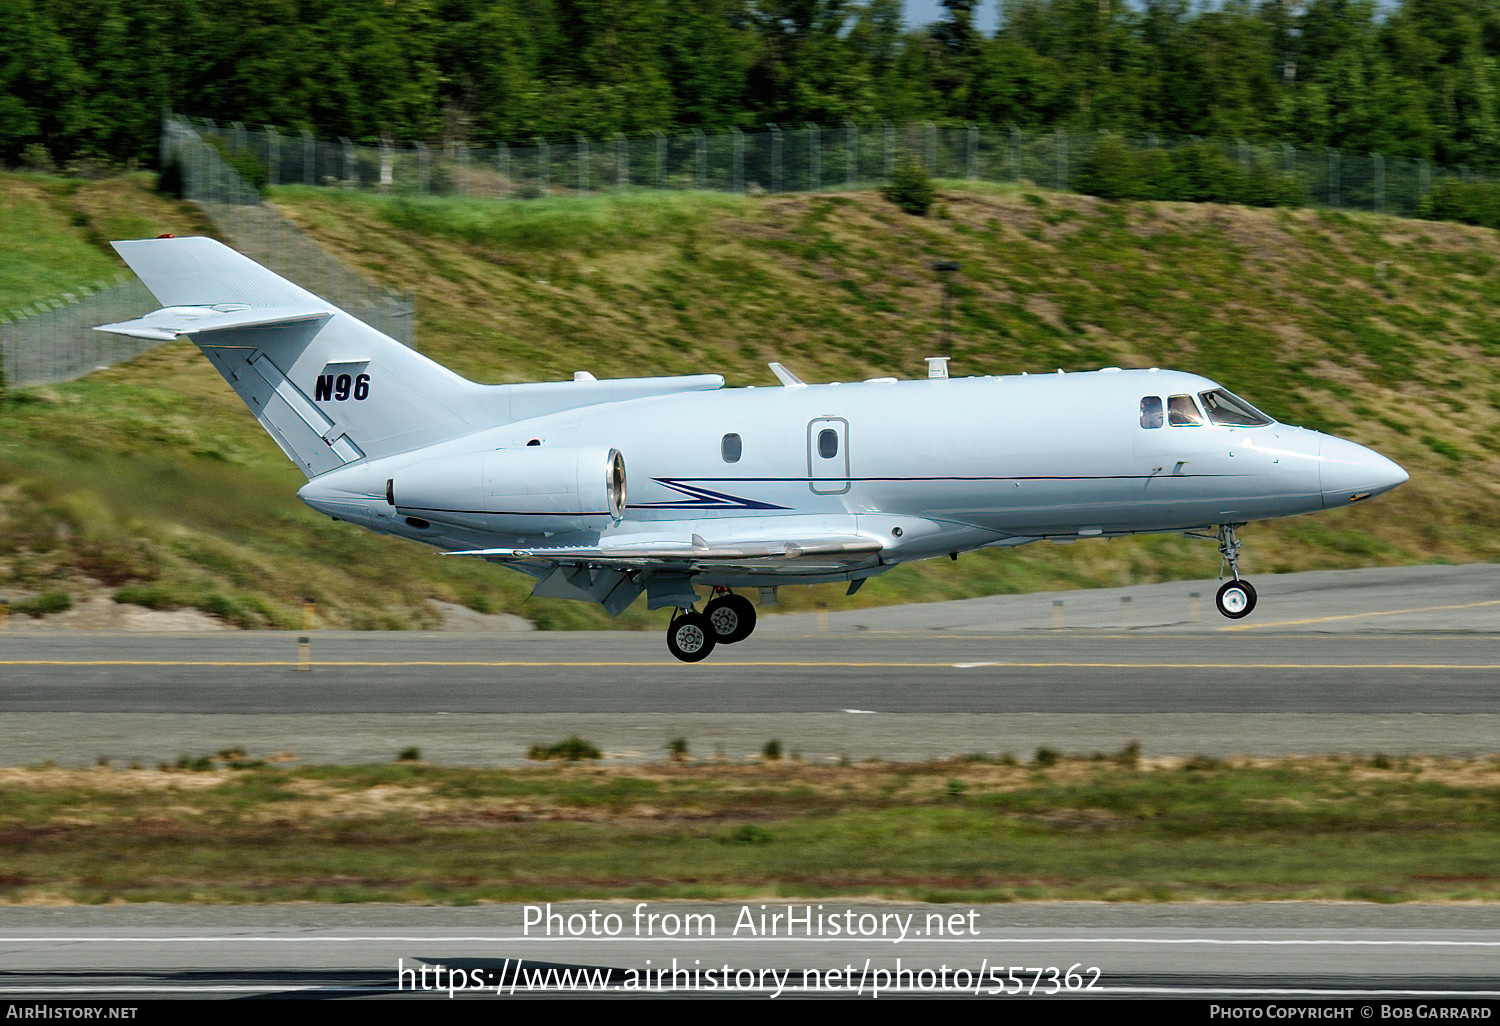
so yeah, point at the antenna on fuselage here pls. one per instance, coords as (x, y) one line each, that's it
(786, 377)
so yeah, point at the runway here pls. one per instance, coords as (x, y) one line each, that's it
(1283, 951)
(1395, 661)
(1402, 661)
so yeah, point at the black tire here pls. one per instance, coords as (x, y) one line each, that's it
(733, 618)
(1236, 599)
(690, 637)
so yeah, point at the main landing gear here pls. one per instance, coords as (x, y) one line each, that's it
(726, 619)
(1236, 598)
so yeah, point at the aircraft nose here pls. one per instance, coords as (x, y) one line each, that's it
(1349, 472)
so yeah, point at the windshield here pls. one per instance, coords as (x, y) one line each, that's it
(1229, 410)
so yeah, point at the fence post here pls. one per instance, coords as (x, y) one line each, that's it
(814, 157)
(462, 148)
(424, 169)
(239, 134)
(273, 155)
(1424, 180)
(502, 165)
(739, 158)
(582, 154)
(1333, 178)
(700, 159)
(973, 155)
(1379, 183)
(387, 163)
(1062, 158)
(775, 156)
(661, 158)
(622, 161)
(851, 157)
(930, 156)
(543, 166)
(351, 170)
(890, 150)
(1015, 153)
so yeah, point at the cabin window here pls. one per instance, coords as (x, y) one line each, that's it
(1229, 410)
(828, 443)
(1182, 412)
(731, 448)
(1151, 411)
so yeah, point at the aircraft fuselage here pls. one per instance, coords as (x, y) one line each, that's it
(926, 467)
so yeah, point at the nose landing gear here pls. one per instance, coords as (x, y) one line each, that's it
(728, 618)
(1236, 598)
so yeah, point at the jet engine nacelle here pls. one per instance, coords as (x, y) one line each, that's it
(535, 488)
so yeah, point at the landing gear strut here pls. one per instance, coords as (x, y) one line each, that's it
(726, 619)
(1236, 598)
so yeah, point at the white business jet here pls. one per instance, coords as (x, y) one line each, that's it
(732, 488)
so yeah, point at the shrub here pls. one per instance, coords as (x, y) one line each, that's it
(570, 749)
(46, 603)
(1045, 757)
(247, 165)
(678, 748)
(36, 157)
(169, 181)
(750, 834)
(1200, 172)
(411, 753)
(772, 751)
(1467, 202)
(910, 188)
(1113, 171)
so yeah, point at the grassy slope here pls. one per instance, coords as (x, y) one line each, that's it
(152, 478)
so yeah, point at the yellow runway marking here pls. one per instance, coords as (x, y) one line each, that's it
(1357, 616)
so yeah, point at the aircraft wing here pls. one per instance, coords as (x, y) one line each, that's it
(791, 556)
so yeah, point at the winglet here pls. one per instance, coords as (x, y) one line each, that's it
(786, 377)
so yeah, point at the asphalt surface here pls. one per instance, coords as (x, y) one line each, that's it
(1393, 661)
(1400, 661)
(1331, 954)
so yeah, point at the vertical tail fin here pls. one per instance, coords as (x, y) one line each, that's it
(328, 388)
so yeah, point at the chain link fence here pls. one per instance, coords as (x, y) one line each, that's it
(778, 159)
(216, 177)
(55, 341)
(223, 166)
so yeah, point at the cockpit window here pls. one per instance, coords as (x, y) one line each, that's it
(1229, 410)
(1182, 413)
(1151, 411)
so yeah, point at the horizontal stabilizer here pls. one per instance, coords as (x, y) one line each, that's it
(176, 321)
